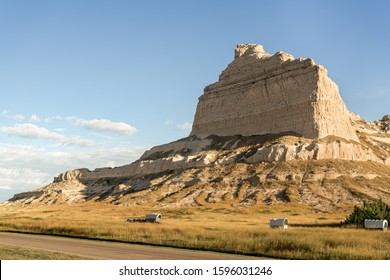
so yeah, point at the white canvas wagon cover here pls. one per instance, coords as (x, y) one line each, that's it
(372, 224)
(278, 223)
(153, 217)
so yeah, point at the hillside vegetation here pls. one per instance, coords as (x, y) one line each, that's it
(217, 228)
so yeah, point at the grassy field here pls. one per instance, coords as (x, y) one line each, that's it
(8, 252)
(225, 229)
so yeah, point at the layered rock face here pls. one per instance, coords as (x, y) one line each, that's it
(212, 151)
(324, 185)
(259, 93)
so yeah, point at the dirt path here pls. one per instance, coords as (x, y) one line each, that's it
(110, 250)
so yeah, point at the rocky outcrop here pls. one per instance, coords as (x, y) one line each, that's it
(324, 185)
(259, 93)
(384, 123)
(212, 151)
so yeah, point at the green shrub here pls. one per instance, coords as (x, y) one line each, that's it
(370, 210)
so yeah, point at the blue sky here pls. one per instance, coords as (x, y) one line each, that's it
(95, 83)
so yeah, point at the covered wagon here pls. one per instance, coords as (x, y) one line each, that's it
(376, 224)
(278, 223)
(153, 217)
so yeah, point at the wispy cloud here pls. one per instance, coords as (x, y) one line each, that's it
(28, 130)
(17, 174)
(184, 126)
(27, 177)
(78, 141)
(101, 125)
(16, 117)
(106, 125)
(27, 167)
(34, 118)
(25, 156)
(32, 131)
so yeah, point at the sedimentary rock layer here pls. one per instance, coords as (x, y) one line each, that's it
(213, 151)
(259, 93)
(324, 185)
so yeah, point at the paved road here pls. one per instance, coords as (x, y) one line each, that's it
(110, 250)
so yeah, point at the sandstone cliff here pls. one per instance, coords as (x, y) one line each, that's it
(259, 93)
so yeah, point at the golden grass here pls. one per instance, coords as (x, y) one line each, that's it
(225, 229)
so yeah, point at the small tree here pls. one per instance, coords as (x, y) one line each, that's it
(370, 210)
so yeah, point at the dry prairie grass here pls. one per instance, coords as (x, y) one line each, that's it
(225, 229)
(8, 252)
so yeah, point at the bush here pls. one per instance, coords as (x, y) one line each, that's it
(370, 210)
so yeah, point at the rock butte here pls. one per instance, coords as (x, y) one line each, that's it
(263, 109)
(259, 93)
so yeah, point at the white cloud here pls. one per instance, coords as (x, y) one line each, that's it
(106, 125)
(78, 141)
(24, 168)
(11, 178)
(17, 117)
(17, 180)
(28, 130)
(34, 118)
(94, 124)
(28, 167)
(168, 122)
(184, 126)
(32, 131)
(69, 118)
